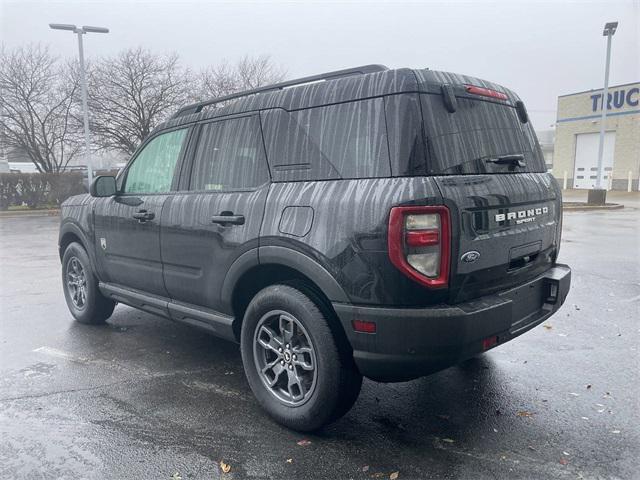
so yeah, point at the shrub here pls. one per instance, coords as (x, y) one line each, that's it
(38, 189)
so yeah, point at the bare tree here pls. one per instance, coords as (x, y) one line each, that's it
(131, 93)
(216, 81)
(255, 72)
(36, 106)
(247, 73)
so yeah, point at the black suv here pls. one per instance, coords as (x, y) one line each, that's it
(365, 222)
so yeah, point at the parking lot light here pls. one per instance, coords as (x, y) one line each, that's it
(83, 83)
(609, 31)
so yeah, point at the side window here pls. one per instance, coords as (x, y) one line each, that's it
(406, 140)
(229, 156)
(152, 170)
(348, 140)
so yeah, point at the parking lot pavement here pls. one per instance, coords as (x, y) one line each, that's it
(147, 398)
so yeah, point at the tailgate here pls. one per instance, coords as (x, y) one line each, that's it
(486, 160)
(504, 230)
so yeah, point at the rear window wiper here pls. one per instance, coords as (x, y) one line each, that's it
(513, 160)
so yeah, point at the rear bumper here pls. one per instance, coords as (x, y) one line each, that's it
(413, 342)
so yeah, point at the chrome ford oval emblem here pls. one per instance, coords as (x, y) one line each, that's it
(470, 256)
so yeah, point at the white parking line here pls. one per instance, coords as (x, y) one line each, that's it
(213, 388)
(54, 352)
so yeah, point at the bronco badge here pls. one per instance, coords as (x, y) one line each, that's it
(522, 216)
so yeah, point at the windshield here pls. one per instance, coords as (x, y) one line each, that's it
(465, 142)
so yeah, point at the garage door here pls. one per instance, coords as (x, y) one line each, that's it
(586, 173)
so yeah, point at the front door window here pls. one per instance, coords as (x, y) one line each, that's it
(152, 170)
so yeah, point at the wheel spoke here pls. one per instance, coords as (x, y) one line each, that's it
(276, 369)
(269, 339)
(73, 278)
(295, 385)
(305, 364)
(299, 350)
(304, 358)
(287, 328)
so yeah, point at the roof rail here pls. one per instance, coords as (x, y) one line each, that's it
(197, 107)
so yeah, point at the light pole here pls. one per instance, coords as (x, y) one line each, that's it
(83, 83)
(609, 30)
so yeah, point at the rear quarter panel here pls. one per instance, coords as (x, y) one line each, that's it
(348, 232)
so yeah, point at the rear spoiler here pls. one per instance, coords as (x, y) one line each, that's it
(450, 100)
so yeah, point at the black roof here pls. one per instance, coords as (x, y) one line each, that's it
(333, 87)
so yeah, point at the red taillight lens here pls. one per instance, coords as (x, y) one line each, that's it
(422, 238)
(419, 243)
(485, 92)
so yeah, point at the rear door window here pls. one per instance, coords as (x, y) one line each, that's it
(347, 140)
(229, 156)
(463, 141)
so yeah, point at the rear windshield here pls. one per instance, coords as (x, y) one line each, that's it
(466, 141)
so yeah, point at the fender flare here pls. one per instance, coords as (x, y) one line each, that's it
(238, 268)
(274, 255)
(72, 227)
(308, 267)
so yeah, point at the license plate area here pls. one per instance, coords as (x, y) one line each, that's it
(527, 299)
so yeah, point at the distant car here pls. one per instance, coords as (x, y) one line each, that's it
(376, 222)
(23, 167)
(76, 168)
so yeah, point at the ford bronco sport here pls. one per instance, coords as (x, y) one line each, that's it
(365, 222)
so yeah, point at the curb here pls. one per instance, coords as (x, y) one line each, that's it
(30, 213)
(584, 207)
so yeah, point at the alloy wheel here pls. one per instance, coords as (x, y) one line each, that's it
(77, 283)
(285, 357)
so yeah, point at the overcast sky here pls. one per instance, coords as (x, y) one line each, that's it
(540, 49)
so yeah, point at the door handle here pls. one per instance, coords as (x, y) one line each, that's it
(228, 218)
(143, 216)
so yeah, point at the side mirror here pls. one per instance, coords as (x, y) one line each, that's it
(103, 186)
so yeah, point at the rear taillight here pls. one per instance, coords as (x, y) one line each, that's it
(485, 92)
(419, 243)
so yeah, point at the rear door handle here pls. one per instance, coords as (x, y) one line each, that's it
(228, 218)
(144, 216)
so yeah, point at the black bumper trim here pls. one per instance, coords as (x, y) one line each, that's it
(413, 342)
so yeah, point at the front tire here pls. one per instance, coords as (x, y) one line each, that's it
(85, 302)
(292, 361)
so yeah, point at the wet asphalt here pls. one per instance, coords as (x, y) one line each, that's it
(143, 397)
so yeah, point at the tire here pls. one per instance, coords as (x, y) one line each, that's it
(85, 302)
(282, 315)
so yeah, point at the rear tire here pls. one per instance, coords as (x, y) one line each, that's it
(80, 285)
(292, 360)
